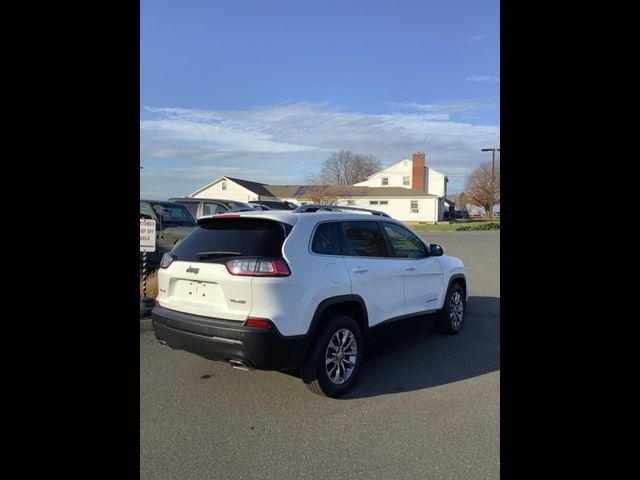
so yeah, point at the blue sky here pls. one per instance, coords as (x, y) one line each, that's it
(266, 90)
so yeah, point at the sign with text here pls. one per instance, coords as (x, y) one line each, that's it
(147, 235)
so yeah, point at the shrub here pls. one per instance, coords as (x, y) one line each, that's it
(152, 285)
(480, 226)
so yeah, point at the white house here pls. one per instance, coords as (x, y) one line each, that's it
(230, 188)
(412, 173)
(406, 204)
(407, 190)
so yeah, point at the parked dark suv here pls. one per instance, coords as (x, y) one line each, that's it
(173, 222)
(456, 214)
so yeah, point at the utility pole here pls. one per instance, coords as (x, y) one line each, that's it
(493, 170)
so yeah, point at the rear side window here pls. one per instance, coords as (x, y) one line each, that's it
(364, 239)
(192, 207)
(223, 238)
(213, 209)
(326, 240)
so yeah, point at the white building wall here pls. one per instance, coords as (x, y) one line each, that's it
(441, 209)
(429, 209)
(434, 180)
(395, 173)
(435, 183)
(233, 192)
(399, 208)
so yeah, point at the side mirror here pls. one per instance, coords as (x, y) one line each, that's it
(436, 250)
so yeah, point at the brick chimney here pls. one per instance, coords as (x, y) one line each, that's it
(417, 174)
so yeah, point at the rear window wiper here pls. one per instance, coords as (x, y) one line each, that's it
(217, 254)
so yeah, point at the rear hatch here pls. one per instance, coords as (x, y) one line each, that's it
(199, 282)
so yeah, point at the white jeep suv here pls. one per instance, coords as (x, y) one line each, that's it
(278, 290)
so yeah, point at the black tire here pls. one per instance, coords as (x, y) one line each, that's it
(454, 310)
(314, 369)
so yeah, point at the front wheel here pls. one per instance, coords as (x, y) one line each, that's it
(335, 357)
(453, 311)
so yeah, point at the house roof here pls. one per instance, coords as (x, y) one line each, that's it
(255, 187)
(303, 191)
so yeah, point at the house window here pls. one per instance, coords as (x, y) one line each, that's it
(384, 202)
(224, 185)
(373, 202)
(406, 180)
(414, 206)
(385, 180)
(406, 163)
(351, 202)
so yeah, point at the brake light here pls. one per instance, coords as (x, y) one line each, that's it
(259, 267)
(257, 322)
(166, 260)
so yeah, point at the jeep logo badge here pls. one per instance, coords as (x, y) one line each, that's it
(192, 269)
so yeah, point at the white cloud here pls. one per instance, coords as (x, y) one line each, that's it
(482, 78)
(446, 108)
(184, 149)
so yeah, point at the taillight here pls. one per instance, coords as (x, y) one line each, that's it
(166, 260)
(258, 322)
(259, 267)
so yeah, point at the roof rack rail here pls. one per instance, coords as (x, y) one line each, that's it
(337, 208)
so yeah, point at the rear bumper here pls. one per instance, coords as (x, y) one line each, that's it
(224, 340)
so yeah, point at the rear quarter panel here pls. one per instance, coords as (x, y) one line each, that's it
(291, 302)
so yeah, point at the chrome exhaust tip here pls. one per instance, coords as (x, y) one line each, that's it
(239, 365)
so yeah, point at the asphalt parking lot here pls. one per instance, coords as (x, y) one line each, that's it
(425, 405)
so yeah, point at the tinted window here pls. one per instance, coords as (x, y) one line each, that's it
(405, 244)
(327, 239)
(364, 239)
(172, 214)
(145, 212)
(192, 207)
(241, 236)
(212, 209)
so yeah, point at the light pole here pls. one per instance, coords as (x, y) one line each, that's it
(493, 168)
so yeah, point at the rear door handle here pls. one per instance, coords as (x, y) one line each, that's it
(410, 268)
(359, 270)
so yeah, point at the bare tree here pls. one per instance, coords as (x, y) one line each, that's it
(317, 192)
(478, 186)
(461, 200)
(346, 168)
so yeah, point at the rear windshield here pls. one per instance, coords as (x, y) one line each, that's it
(172, 214)
(225, 238)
